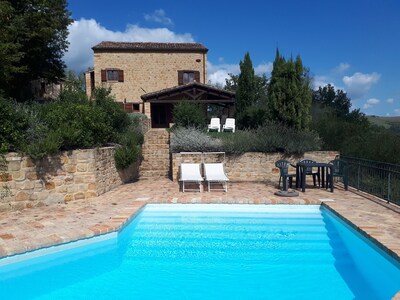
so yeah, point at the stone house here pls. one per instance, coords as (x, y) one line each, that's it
(43, 90)
(151, 77)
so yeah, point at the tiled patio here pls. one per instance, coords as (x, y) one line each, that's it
(23, 231)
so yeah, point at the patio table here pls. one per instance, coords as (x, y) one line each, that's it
(323, 168)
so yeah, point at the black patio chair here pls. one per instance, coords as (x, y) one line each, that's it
(284, 175)
(309, 171)
(339, 171)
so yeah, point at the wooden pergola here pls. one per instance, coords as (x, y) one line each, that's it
(162, 102)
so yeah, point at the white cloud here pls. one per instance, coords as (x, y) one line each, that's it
(397, 111)
(218, 73)
(359, 84)
(390, 100)
(158, 16)
(320, 81)
(84, 34)
(265, 68)
(371, 102)
(342, 67)
(366, 106)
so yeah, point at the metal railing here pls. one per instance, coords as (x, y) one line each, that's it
(374, 177)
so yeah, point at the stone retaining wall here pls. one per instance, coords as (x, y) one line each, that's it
(251, 166)
(71, 175)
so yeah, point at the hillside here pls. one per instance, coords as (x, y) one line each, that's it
(386, 122)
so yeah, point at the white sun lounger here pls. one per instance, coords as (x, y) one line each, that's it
(190, 173)
(229, 125)
(215, 124)
(214, 173)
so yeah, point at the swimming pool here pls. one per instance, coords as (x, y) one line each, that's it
(207, 251)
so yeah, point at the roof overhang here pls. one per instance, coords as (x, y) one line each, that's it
(193, 92)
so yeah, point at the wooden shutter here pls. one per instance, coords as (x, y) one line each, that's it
(103, 75)
(197, 76)
(180, 77)
(120, 75)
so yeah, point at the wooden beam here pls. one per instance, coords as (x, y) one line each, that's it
(229, 101)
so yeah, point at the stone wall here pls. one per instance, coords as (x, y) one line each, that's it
(72, 175)
(251, 166)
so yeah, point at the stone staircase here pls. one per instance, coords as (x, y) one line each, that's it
(155, 151)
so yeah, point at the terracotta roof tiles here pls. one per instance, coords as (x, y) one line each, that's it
(147, 46)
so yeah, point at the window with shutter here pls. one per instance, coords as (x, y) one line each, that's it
(112, 75)
(185, 77)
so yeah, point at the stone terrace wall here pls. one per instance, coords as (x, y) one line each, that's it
(251, 166)
(72, 175)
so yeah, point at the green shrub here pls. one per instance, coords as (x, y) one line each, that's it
(187, 114)
(71, 122)
(125, 156)
(274, 137)
(130, 140)
(239, 142)
(138, 121)
(13, 125)
(268, 138)
(114, 117)
(48, 145)
(193, 140)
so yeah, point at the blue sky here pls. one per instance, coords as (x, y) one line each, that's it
(353, 44)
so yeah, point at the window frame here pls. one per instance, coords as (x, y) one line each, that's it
(114, 75)
(188, 77)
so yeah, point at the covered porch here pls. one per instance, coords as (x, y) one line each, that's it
(161, 103)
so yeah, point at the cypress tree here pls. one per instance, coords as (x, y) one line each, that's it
(245, 93)
(289, 93)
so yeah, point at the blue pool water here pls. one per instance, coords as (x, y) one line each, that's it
(213, 252)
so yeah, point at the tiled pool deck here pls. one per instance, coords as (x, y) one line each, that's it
(23, 231)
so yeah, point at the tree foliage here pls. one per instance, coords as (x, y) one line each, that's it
(187, 114)
(289, 92)
(246, 85)
(337, 100)
(251, 95)
(350, 132)
(69, 122)
(33, 39)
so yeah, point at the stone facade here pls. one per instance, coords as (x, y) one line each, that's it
(251, 166)
(144, 71)
(72, 175)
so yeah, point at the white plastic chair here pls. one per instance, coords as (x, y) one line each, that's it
(214, 173)
(215, 124)
(229, 125)
(190, 173)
